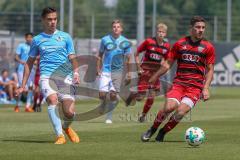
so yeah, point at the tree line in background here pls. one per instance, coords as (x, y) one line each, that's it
(176, 14)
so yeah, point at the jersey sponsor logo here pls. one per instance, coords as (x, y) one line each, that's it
(155, 57)
(190, 57)
(50, 47)
(110, 46)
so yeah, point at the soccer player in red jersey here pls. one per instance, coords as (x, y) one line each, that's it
(195, 58)
(155, 50)
(37, 94)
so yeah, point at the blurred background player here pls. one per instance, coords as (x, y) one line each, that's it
(195, 58)
(114, 52)
(55, 48)
(7, 87)
(37, 93)
(22, 54)
(155, 50)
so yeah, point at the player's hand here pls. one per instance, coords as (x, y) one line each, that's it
(99, 73)
(140, 71)
(205, 94)
(19, 91)
(153, 79)
(76, 78)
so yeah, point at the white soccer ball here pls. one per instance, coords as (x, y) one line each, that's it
(194, 136)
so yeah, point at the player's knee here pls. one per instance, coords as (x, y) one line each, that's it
(102, 96)
(169, 107)
(140, 96)
(68, 114)
(113, 96)
(52, 100)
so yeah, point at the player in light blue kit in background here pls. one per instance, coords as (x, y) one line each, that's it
(21, 57)
(114, 52)
(55, 49)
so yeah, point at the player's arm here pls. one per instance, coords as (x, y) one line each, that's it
(99, 63)
(165, 66)
(17, 59)
(138, 63)
(28, 66)
(141, 48)
(100, 56)
(73, 59)
(27, 70)
(210, 59)
(128, 69)
(17, 56)
(208, 80)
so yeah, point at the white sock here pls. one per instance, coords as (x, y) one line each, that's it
(55, 119)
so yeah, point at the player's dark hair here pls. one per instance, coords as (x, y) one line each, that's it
(28, 34)
(4, 70)
(47, 10)
(196, 19)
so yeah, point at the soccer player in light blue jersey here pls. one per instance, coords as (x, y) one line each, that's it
(114, 52)
(21, 57)
(55, 49)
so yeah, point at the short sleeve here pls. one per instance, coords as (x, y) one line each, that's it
(142, 46)
(167, 51)
(19, 49)
(69, 47)
(102, 47)
(127, 47)
(172, 55)
(210, 55)
(33, 49)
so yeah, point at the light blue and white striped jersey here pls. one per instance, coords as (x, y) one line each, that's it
(22, 51)
(54, 50)
(114, 52)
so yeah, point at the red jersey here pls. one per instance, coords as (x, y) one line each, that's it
(153, 53)
(192, 58)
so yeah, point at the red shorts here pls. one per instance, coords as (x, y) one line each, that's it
(179, 92)
(143, 84)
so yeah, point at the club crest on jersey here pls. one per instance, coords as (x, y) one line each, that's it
(59, 38)
(164, 51)
(153, 49)
(200, 49)
(184, 47)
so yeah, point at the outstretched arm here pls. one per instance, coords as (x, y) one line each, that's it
(208, 80)
(74, 62)
(165, 66)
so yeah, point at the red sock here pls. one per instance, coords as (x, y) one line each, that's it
(35, 98)
(40, 98)
(171, 124)
(148, 105)
(161, 116)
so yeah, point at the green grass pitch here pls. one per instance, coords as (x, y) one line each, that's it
(26, 136)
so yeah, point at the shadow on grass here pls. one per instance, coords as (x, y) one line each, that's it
(168, 141)
(26, 141)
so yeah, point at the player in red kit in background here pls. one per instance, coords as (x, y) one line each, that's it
(37, 94)
(155, 50)
(195, 58)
